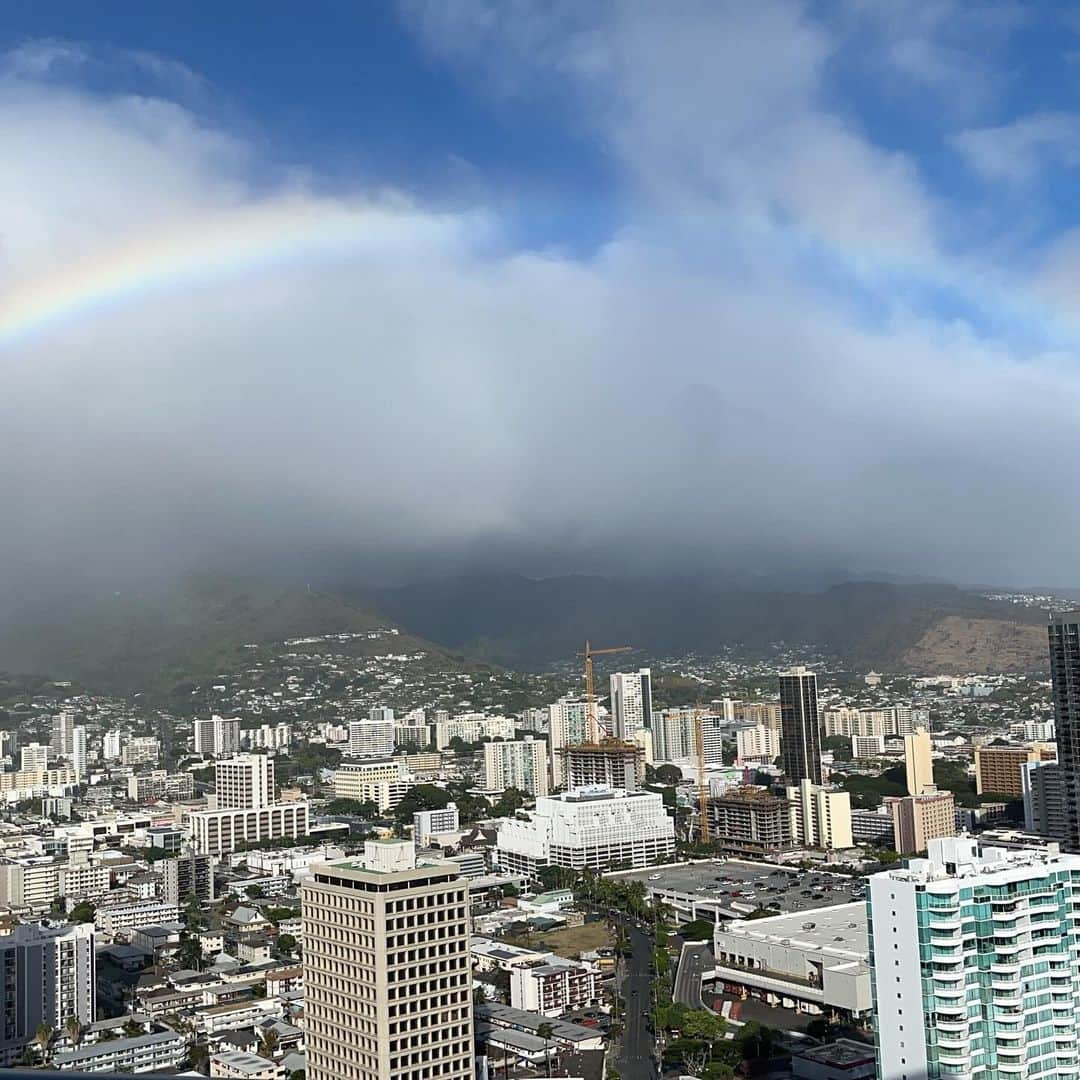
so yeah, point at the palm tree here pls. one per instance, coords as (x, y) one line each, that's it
(545, 1031)
(43, 1037)
(73, 1030)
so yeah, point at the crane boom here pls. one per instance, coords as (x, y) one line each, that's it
(590, 697)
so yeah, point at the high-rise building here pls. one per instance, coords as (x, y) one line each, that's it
(111, 745)
(998, 769)
(568, 725)
(244, 782)
(974, 967)
(428, 823)
(1044, 799)
(371, 738)
(759, 745)
(820, 817)
(596, 827)
(1064, 634)
(749, 820)
(519, 763)
(381, 782)
(381, 714)
(608, 764)
(631, 703)
(918, 763)
(33, 756)
(387, 979)
(217, 737)
(140, 750)
(800, 735)
(63, 728)
(46, 976)
(187, 875)
(674, 735)
(79, 753)
(918, 819)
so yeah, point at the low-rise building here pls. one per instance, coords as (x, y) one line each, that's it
(554, 987)
(918, 819)
(157, 1052)
(218, 832)
(238, 1065)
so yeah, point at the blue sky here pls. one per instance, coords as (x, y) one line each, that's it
(799, 277)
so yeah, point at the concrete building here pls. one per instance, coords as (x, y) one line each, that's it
(800, 726)
(189, 874)
(1044, 799)
(371, 738)
(218, 832)
(472, 728)
(33, 756)
(918, 819)
(217, 737)
(126, 915)
(893, 721)
(387, 984)
(594, 827)
(631, 703)
(998, 769)
(844, 1059)
(141, 750)
(1064, 635)
(244, 782)
(820, 816)
(79, 753)
(161, 784)
(161, 1052)
(518, 763)
(63, 734)
(47, 975)
(381, 782)
(78, 881)
(759, 745)
(567, 726)
(750, 821)
(32, 882)
(753, 713)
(612, 764)
(812, 961)
(918, 762)
(428, 823)
(867, 746)
(938, 1013)
(554, 986)
(110, 745)
(240, 1065)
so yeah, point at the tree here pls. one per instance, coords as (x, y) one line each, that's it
(286, 943)
(73, 1030)
(133, 1029)
(268, 1043)
(43, 1036)
(190, 952)
(58, 906)
(509, 803)
(82, 913)
(545, 1031)
(421, 797)
(668, 774)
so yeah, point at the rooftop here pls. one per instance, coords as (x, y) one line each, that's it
(839, 932)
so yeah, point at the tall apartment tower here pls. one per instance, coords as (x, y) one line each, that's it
(387, 981)
(381, 712)
(79, 753)
(800, 726)
(973, 955)
(1065, 675)
(245, 782)
(631, 703)
(372, 738)
(519, 763)
(918, 762)
(63, 732)
(219, 736)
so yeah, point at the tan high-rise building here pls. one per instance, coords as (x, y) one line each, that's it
(387, 982)
(918, 763)
(917, 819)
(244, 782)
(999, 769)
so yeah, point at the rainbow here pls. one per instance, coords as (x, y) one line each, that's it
(206, 249)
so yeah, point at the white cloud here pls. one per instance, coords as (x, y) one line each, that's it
(1019, 152)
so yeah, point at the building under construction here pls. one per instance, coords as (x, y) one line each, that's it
(608, 763)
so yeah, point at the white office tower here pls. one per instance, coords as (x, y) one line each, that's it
(34, 756)
(63, 729)
(245, 782)
(631, 703)
(111, 745)
(381, 714)
(47, 975)
(79, 753)
(974, 964)
(758, 745)
(594, 827)
(217, 737)
(371, 738)
(520, 763)
(568, 725)
(387, 980)
(428, 823)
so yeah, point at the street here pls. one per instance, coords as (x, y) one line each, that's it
(636, 1046)
(696, 958)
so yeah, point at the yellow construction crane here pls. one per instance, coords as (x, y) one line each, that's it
(703, 788)
(590, 696)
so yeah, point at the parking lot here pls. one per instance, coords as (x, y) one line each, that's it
(721, 883)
